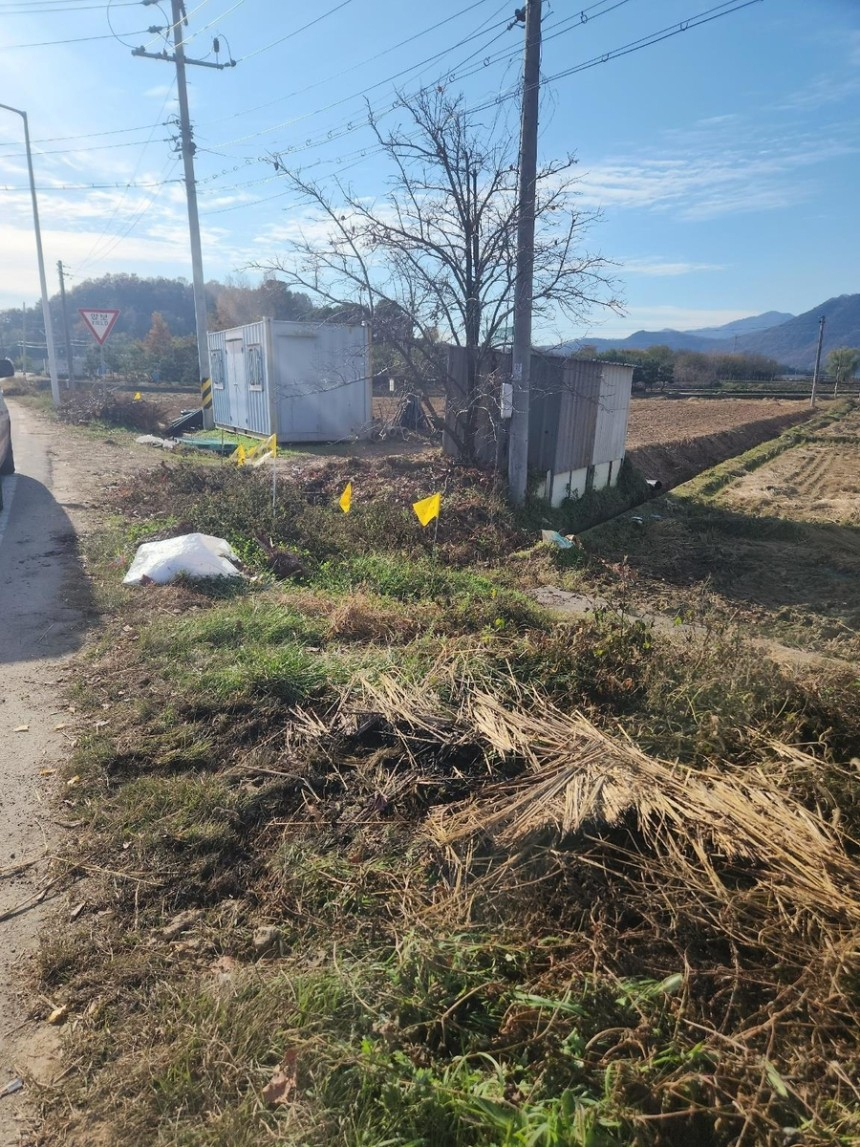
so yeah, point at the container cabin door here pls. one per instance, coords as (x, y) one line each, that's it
(235, 382)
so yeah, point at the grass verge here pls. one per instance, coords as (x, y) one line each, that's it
(381, 853)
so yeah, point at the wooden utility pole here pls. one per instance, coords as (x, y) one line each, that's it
(821, 322)
(518, 445)
(188, 147)
(70, 365)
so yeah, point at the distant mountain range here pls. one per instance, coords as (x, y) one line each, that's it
(790, 339)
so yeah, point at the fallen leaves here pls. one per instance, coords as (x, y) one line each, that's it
(281, 1087)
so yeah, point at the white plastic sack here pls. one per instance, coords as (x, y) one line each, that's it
(154, 440)
(198, 555)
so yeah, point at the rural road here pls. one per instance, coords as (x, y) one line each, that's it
(45, 608)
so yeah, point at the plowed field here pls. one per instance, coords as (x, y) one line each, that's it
(816, 482)
(657, 420)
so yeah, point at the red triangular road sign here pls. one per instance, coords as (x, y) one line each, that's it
(100, 323)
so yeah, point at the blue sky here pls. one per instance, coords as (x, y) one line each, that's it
(725, 159)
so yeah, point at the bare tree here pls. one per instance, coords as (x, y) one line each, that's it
(433, 262)
(842, 362)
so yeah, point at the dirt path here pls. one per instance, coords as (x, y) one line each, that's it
(567, 604)
(45, 611)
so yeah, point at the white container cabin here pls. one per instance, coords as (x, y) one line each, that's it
(305, 382)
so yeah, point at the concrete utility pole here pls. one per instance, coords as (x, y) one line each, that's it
(70, 364)
(518, 447)
(179, 18)
(24, 338)
(46, 310)
(821, 322)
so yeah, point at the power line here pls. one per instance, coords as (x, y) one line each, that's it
(167, 32)
(355, 67)
(295, 32)
(91, 254)
(338, 133)
(96, 255)
(93, 186)
(74, 40)
(359, 94)
(50, 8)
(723, 9)
(79, 150)
(96, 134)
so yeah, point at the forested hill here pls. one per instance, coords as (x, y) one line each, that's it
(137, 300)
(794, 342)
(791, 342)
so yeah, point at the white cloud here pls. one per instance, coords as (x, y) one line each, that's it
(662, 268)
(719, 171)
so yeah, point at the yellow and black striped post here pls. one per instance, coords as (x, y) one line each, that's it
(206, 403)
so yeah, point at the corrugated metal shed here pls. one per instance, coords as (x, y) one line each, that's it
(577, 418)
(610, 436)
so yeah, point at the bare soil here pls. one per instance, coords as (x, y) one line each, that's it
(816, 482)
(658, 420)
(672, 440)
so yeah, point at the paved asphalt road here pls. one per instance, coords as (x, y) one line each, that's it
(44, 607)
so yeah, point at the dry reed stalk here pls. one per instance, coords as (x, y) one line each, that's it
(694, 822)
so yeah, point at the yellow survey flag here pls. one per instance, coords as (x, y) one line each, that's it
(137, 396)
(345, 500)
(239, 455)
(427, 509)
(271, 445)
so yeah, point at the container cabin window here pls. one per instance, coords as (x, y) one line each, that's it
(216, 362)
(255, 367)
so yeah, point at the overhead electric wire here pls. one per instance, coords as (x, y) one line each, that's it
(73, 40)
(80, 150)
(452, 74)
(168, 170)
(135, 219)
(707, 16)
(359, 94)
(50, 8)
(199, 31)
(295, 32)
(354, 67)
(92, 186)
(166, 32)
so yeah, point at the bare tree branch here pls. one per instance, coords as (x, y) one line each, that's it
(433, 261)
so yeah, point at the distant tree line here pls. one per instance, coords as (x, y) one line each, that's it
(660, 367)
(154, 336)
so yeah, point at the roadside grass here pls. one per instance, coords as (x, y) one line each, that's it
(289, 937)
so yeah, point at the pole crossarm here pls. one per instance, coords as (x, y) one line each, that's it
(165, 57)
(179, 59)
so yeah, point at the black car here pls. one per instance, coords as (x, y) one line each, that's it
(7, 459)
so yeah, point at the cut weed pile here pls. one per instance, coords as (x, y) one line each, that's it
(380, 853)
